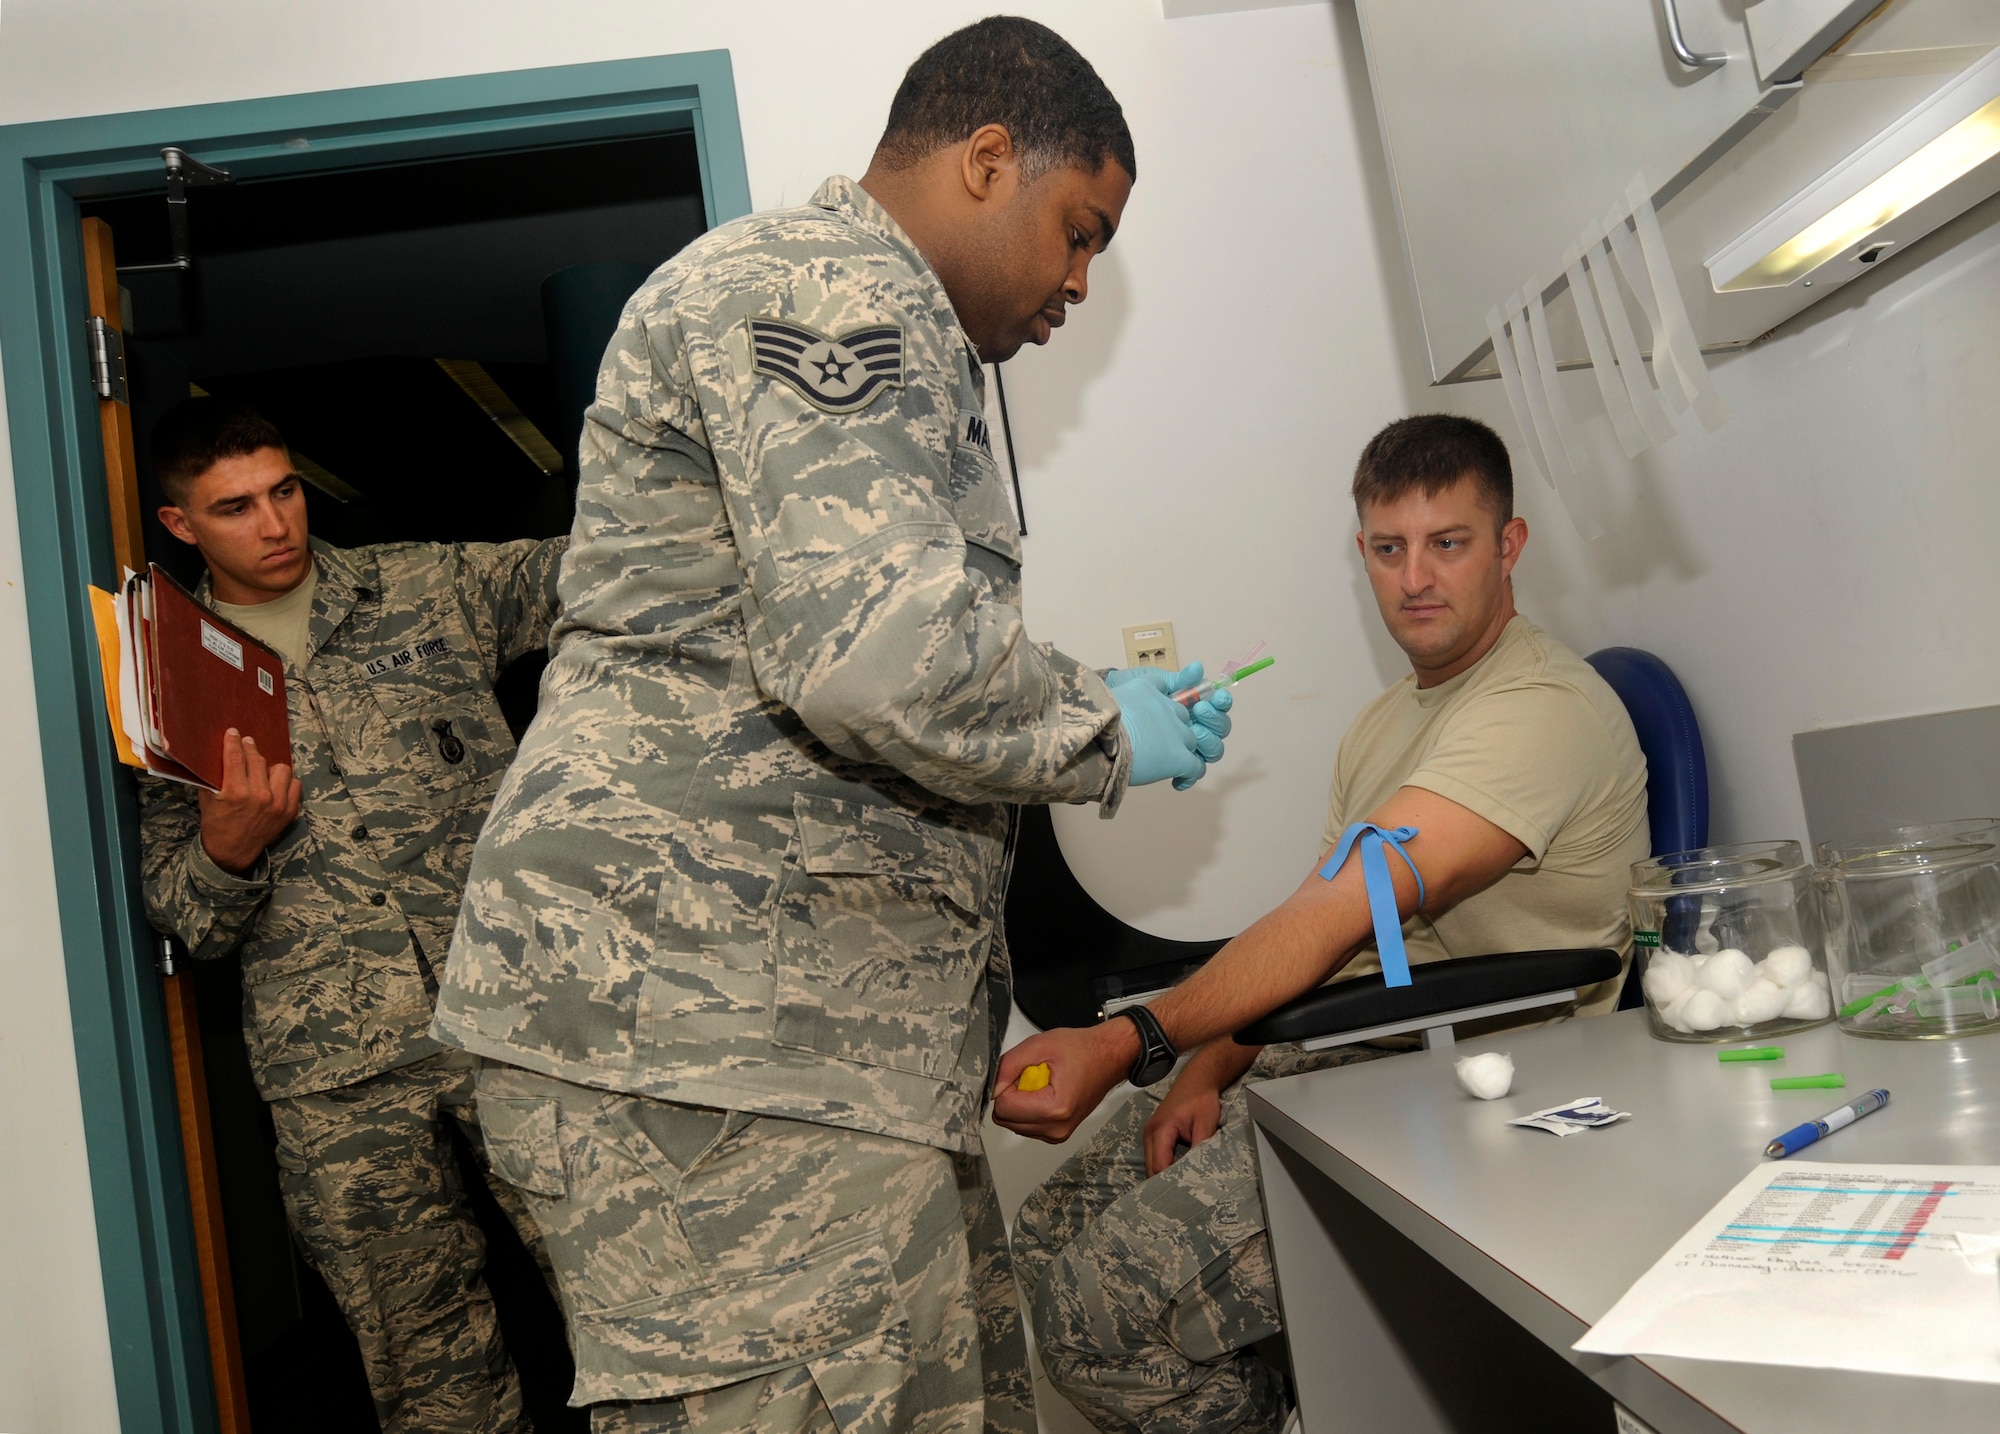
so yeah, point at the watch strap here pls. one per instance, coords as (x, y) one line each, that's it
(1156, 1053)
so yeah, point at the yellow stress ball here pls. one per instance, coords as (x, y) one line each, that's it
(1034, 1077)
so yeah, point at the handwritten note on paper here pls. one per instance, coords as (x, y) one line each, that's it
(1831, 1267)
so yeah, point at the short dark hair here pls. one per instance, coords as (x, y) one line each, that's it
(1433, 452)
(198, 433)
(1008, 71)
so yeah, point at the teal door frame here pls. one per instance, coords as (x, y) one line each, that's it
(145, 1240)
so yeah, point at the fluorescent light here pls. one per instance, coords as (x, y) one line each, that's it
(1933, 164)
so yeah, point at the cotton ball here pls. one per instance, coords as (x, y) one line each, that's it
(1704, 1010)
(1668, 973)
(1786, 967)
(1725, 973)
(1809, 1002)
(1671, 1012)
(1760, 1001)
(1820, 980)
(1488, 1075)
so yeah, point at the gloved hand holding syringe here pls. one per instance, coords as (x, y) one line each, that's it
(1037, 1076)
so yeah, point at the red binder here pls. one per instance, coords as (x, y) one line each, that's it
(205, 675)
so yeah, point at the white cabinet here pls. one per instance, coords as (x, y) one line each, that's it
(1512, 127)
(1788, 35)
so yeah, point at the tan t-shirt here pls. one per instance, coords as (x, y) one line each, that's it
(1534, 741)
(283, 624)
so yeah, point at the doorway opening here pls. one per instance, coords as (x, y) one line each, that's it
(406, 329)
(401, 278)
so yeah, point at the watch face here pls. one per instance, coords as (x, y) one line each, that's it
(1152, 1070)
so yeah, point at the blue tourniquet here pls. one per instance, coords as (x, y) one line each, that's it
(1381, 891)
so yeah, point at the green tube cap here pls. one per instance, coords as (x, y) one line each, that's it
(1752, 1053)
(1832, 1080)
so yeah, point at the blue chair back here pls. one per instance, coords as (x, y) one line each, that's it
(1676, 766)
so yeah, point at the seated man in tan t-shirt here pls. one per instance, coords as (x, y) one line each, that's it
(1148, 1274)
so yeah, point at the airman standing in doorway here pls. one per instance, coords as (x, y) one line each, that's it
(340, 883)
(730, 938)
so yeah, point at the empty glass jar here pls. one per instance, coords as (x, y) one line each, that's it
(1914, 939)
(1729, 943)
(1947, 833)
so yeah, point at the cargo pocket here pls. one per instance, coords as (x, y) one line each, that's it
(672, 1345)
(522, 1144)
(877, 936)
(308, 1014)
(419, 1283)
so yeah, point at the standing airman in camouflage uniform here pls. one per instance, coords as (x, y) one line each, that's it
(336, 871)
(730, 938)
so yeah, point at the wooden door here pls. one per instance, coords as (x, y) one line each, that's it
(121, 474)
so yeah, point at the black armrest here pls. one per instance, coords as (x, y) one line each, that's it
(1435, 989)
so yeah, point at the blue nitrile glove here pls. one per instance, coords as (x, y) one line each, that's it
(1211, 723)
(1161, 731)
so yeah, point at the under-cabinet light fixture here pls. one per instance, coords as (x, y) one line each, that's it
(1930, 166)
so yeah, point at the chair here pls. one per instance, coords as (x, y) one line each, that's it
(1074, 962)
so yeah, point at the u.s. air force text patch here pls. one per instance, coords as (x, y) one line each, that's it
(840, 375)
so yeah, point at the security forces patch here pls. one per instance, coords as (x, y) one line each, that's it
(840, 375)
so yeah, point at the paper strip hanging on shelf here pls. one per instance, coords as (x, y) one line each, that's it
(1587, 527)
(1624, 343)
(1555, 456)
(1520, 374)
(1517, 396)
(1625, 248)
(1545, 365)
(1610, 386)
(1679, 329)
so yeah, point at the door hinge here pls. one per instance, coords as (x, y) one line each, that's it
(169, 953)
(107, 360)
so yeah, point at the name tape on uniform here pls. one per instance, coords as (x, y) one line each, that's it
(410, 656)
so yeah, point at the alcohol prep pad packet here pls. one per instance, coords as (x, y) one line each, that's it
(1571, 1116)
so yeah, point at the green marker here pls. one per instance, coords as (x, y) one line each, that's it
(1833, 1080)
(1752, 1053)
(1188, 696)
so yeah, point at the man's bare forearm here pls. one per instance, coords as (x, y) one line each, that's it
(1285, 953)
(1220, 1063)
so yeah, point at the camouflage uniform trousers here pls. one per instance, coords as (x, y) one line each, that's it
(372, 1186)
(1147, 1294)
(722, 1271)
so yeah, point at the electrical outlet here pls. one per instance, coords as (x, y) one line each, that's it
(1151, 644)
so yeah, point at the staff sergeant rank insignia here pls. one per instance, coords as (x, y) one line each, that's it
(840, 375)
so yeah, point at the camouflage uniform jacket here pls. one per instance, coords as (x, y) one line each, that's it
(753, 852)
(399, 746)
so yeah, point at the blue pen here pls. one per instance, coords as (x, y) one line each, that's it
(1800, 1136)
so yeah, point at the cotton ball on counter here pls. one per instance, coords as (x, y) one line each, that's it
(1488, 1075)
(1786, 967)
(1760, 1001)
(1668, 974)
(1725, 973)
(1704, 1010)
(1809, 1001)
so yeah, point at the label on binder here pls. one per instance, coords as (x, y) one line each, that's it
(223, 646)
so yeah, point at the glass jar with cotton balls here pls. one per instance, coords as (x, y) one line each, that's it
(1730, 942)
(1914, 937)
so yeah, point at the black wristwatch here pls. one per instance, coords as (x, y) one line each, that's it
(1156, 1053)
